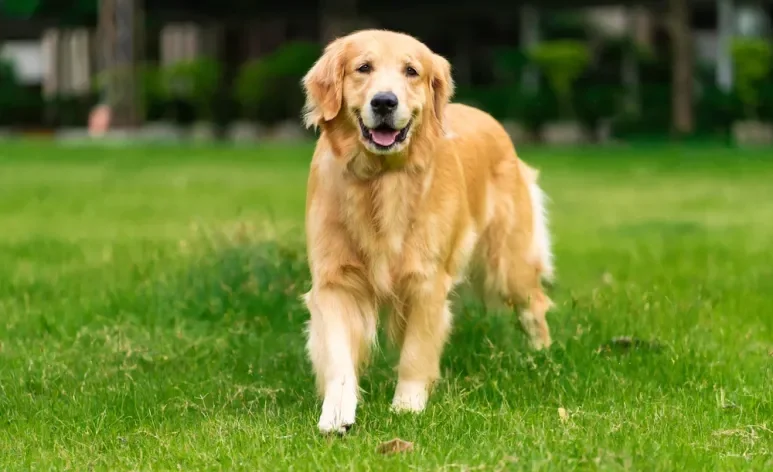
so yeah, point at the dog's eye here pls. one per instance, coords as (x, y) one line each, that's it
(364, 69)
(411, 72)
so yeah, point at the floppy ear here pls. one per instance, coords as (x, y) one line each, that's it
(441, 84)
(323, 86)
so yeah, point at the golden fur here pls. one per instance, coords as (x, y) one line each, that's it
(398, 228)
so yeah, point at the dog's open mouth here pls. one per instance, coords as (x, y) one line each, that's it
(384, 136)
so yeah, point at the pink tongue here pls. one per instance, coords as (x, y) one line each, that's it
(384, 138)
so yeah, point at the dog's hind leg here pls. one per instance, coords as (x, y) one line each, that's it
(531, 314)
(516, 255)
(521, 290)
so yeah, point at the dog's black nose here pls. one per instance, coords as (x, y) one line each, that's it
(383, 103)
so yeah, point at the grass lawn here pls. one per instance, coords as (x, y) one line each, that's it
(149, 319)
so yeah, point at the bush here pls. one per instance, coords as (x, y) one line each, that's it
(716, 110)
(752, 58)
(8, 86)
(598, 102)
(509, 64)
(152, 92)
(70, 110)
(562, 62)
(19, 106)
(268, 89)
(9, 91)
(654, 118)
(766, 101)
(194, 83)
(494, 100)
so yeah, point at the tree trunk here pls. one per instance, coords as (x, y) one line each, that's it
(121, 33)
(682, 57)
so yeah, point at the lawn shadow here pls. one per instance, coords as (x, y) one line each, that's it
(223, 332)
(240, 323)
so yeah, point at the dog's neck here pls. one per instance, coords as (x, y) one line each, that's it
(364, 166)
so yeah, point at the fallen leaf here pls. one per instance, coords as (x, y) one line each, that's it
(563, 414)
(395, 446)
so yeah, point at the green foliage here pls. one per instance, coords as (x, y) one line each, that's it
(653, 119)
(9, 84)
(195, 82)
(152, 90)
(509, 63)
(252, 87)
(562, 62)
(716, 110)
(9, 89)
(268, 90)
(599, 102)
(624, 45)
(69, 110)
(753, 59)
(18, 106)
(19, 8)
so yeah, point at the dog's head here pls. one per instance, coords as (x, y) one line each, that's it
(386, 88)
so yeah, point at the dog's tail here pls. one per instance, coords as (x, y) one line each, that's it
(541, 241)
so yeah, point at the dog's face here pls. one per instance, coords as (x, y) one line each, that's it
(384, 86)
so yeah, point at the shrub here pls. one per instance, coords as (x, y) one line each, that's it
(193, 82)
(494, 100)
(562, 62)
(716, 109)
(252, 88)
(752, 58)
(509, 64)
(268, 89)
(600, 102)
(152, 91)
(19, 106)
(9, 89)
(653, 120)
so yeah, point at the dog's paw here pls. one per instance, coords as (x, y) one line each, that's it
(410, 397)
(540, 343)
(339, 408)
(334, 425)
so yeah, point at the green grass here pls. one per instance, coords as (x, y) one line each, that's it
(149, 319)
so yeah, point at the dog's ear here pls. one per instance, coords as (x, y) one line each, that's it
(323, 85)
(441, 84)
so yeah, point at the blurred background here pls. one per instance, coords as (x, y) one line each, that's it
(150, 295)
(555, 71)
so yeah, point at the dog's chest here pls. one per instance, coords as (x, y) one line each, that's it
(380, 217)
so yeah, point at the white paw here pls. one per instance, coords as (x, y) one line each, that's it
(540, 344)
(410, 397)
(339, 407)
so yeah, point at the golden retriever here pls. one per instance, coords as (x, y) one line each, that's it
(405, 191)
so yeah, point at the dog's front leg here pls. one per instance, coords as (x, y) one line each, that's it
(341, 330)
(426, 325)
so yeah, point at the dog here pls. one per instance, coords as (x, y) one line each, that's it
(408, 195)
